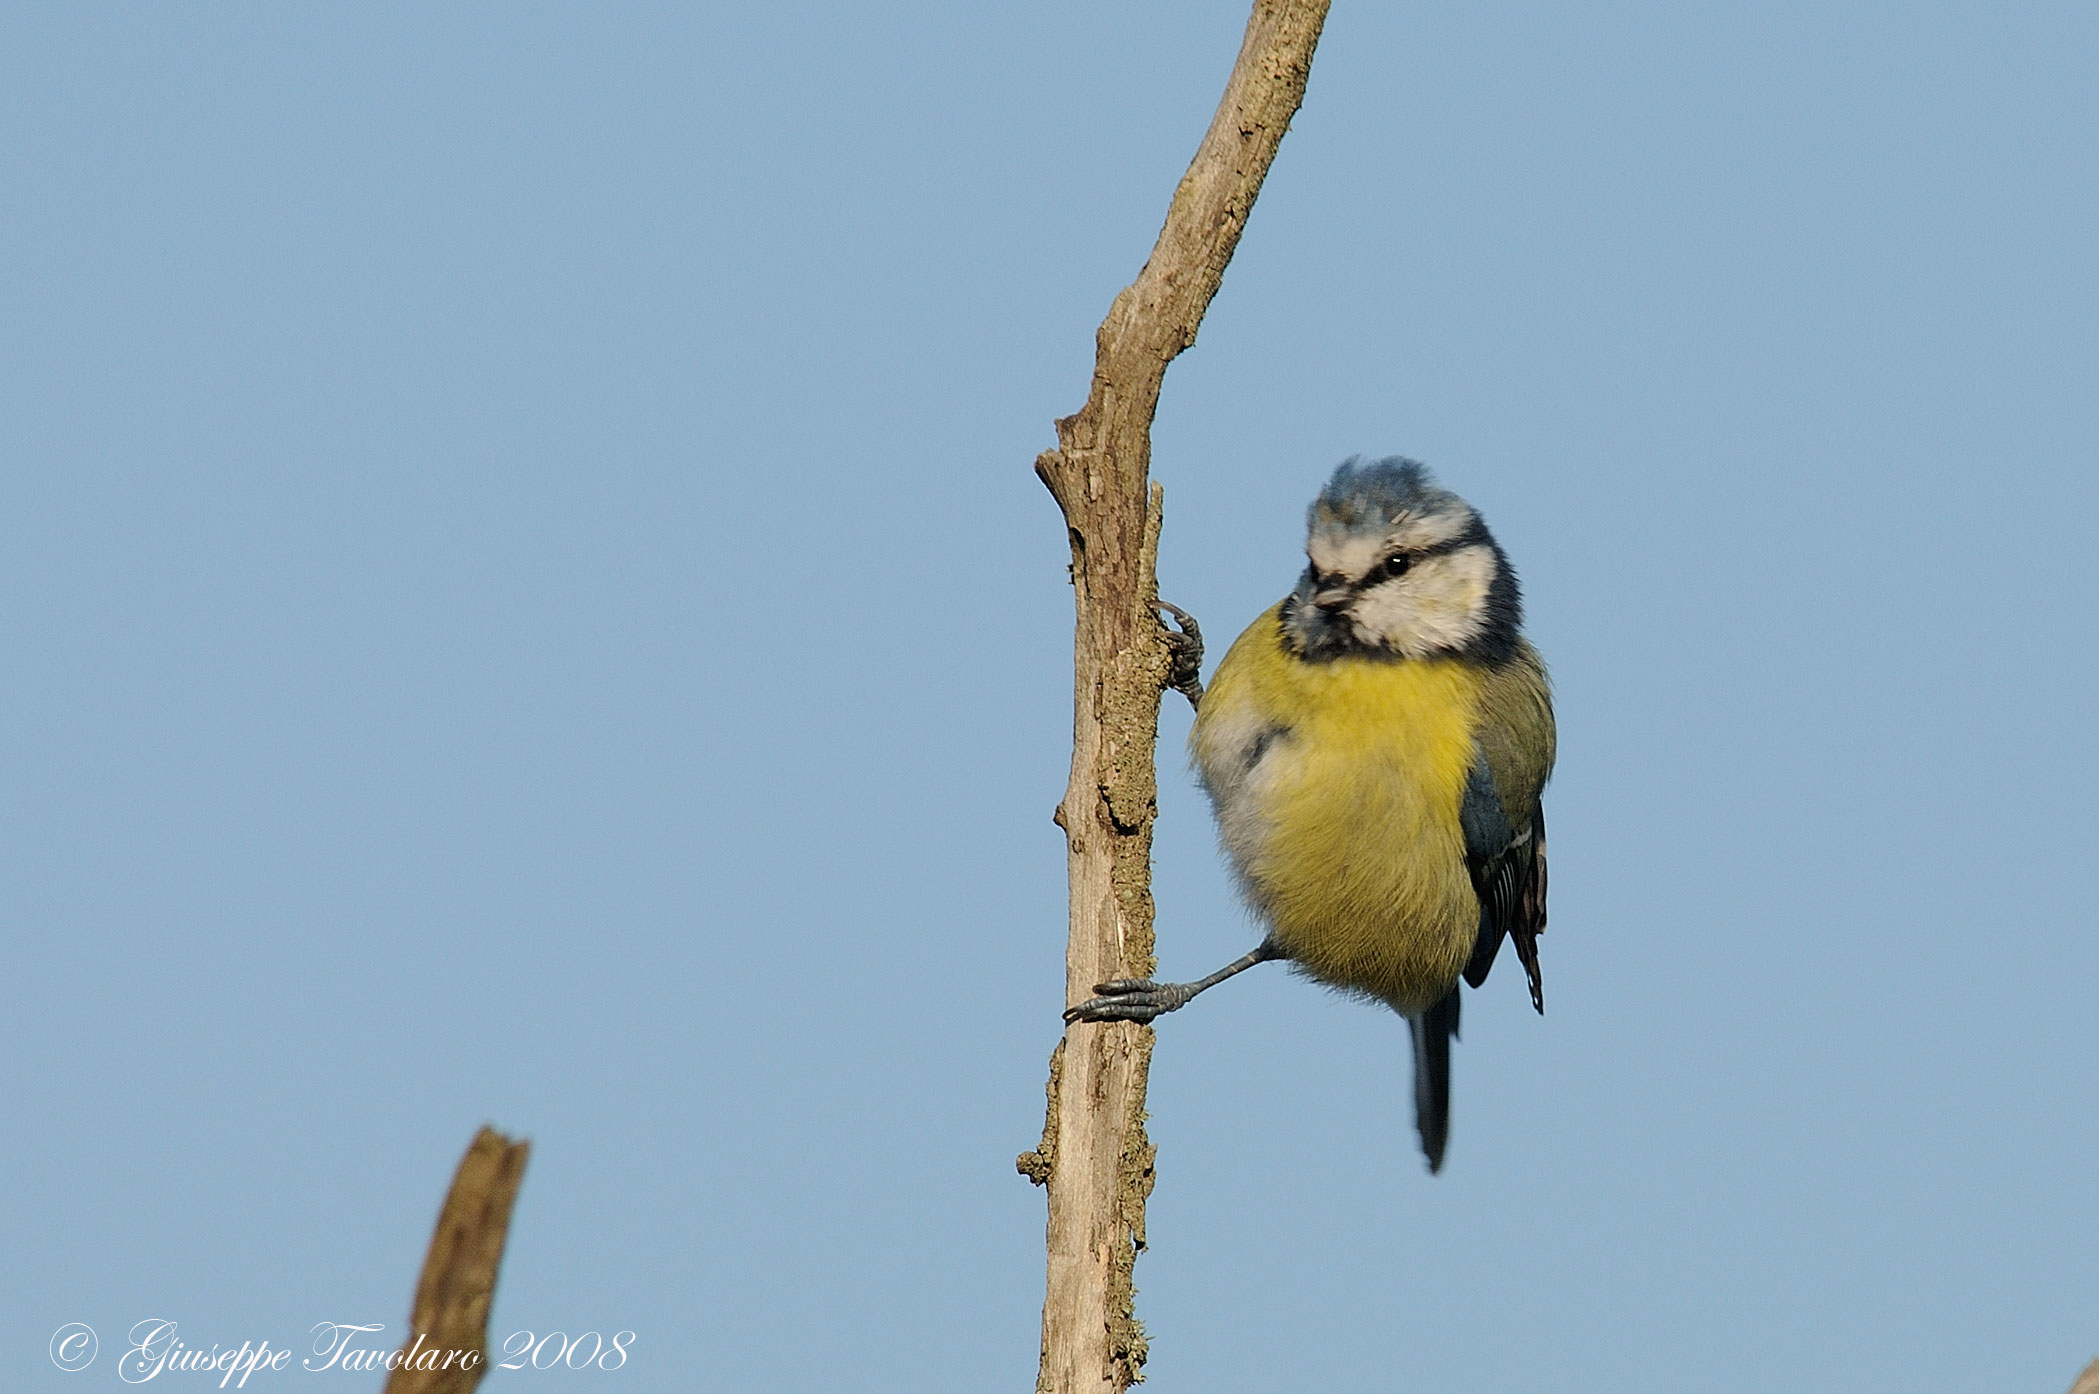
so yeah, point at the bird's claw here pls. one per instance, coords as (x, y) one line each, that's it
(1184, 649)
(1130, 999)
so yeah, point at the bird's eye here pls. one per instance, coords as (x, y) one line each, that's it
(1396, 565)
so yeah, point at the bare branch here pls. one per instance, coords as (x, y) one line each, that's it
(458, 1285)
(1095, 1158)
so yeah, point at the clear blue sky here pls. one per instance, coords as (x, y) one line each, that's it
(525, 600)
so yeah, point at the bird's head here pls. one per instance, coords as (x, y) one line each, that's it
(1400, 568)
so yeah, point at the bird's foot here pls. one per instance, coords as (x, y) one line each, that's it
(1184, 672)
(1131, 999)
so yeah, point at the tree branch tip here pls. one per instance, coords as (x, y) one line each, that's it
(457, 1285)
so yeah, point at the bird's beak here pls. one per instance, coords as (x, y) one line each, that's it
(1333, 599)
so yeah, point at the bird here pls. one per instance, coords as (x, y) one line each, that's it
(1375, 748)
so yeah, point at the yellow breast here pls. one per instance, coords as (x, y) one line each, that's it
(1337, 787)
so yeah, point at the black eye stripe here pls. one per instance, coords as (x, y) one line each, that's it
(1400, 563)
(1449, 545)
(1471, 536)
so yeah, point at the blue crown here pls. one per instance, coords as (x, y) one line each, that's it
(1373, 494)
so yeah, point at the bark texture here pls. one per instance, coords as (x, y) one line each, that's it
(458, 1284)
(1094, 1158)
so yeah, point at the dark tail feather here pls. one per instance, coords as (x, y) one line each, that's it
(1434, 1030)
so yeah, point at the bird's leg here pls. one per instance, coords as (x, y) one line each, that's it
(1185, 675)
(1141, 999)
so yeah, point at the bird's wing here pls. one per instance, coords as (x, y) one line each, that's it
(1505, 855)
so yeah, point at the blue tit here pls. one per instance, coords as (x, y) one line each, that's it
(1374, 748)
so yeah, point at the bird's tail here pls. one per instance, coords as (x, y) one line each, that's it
(1434, 1030)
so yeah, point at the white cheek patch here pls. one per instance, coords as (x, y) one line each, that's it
(1440, 604)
